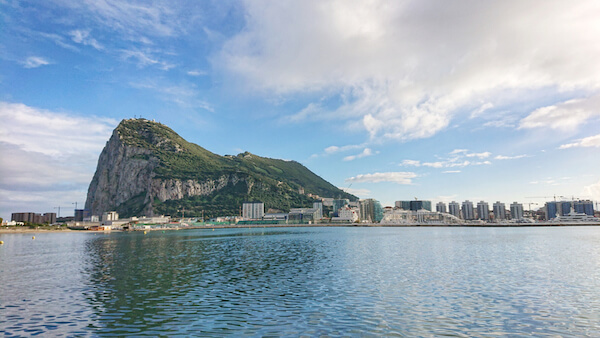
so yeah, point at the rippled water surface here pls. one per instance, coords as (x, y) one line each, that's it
(303, 281)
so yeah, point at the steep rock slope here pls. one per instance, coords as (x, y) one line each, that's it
(146, 169)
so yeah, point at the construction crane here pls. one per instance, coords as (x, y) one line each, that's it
(555, 196)
(58, 207)
(530, 204)
(182, 210)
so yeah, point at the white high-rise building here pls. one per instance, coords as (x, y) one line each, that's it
(253, 210)
(467, 210)
(499, 211)
(319, 207)
(454, 209)
(483, 211)
(440, 207)
(516, 211)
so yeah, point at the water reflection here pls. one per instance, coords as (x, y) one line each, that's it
(307, 281)
(160, 282)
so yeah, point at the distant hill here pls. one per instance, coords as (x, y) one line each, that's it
(147, 169)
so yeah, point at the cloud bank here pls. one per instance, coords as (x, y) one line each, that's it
(404, 69)
(394, 177)
(592, 141)
(48, 156)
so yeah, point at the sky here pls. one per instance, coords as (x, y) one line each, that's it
(392, 100)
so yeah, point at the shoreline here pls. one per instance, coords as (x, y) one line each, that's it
(19, 230)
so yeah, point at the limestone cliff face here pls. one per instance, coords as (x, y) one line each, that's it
(125, 178)
(146, 169)
(174, 189)
(122, 173)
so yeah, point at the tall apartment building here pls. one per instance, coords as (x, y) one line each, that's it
(516, 211)
(563, 208)
(483, 211)
(49, 217)
(467, 210)
(253, 210)
(319, 207)
(32, 217)
(371, 210)
(441, 207)
(81, 214)
(551, 210)
(454, 209)
(585, 207)
(499, 211)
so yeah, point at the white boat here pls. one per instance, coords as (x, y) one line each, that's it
(575, 217)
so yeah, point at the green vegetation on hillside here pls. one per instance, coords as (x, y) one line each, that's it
(277, 183)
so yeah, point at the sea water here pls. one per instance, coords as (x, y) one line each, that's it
(334, 281)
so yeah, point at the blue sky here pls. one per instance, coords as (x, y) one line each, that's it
(388, 99)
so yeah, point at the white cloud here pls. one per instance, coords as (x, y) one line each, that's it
(394, 177)
(501, 157)
(184, 95)
(47, 156)
(592, 141)
(481, 109)
(34, 62)
(405, 69)
(336, 149)
(196, 73)
(145, 58)
(339, 149)
(357, 192)
(135, 18)
(566, 115)
(479, 155)
(451, 172)
(506, 122)
(412, 163)
(50, 133)
(436, 164)
(593, 190)
(58, 40)
(455, 160)
(366, 152)
(83, 37)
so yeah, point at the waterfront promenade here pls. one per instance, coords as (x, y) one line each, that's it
(9, 230)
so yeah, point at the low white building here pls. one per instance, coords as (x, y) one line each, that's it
(110, 216)
(346, 215)
(401, 217)
(153, 220)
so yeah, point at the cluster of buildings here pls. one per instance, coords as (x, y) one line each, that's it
(84, 219)
(564, 208)
(468, 212)
(420, 212)
(329, 210)
(342, 211)
(20, 218)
